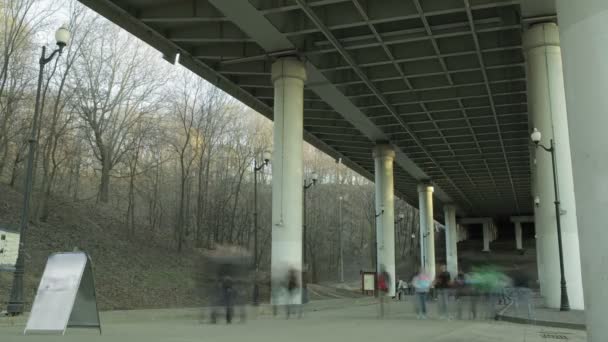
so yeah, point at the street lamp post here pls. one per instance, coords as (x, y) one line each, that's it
(424, 236)
(266, 160)
(536, 136)
(16, 302)
(376, 247)
(307, 185)
(340, 241)
(399, 219)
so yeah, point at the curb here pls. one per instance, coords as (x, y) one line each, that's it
(552, 324)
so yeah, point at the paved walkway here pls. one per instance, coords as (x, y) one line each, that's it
(343, 320)
(543, 316)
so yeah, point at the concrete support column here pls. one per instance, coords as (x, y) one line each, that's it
(427, 227)
(288, 77)
(547, 105)
(385, 223)
(518, 241)
(451, 239)
(486, 236)
(584, 35)
(422, 225)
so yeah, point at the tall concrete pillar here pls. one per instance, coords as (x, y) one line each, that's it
(288, 77)
(518, 241)
(486, 236)
(385, 223)
(547, 105)
(422, 227)
(583, 31)
(451, 239)
(427, 227)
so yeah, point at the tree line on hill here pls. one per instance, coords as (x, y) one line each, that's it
(171, 154)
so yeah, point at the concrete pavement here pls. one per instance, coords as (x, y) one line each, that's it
(343, 320)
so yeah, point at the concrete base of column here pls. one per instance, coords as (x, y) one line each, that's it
(518, 238)
(486, 238)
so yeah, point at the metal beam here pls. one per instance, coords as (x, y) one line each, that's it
(469, 12)
(329, 35)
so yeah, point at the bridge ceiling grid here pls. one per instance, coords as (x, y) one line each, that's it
(444, 80)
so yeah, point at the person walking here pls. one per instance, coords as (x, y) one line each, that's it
(292, 289)
(384, 280)
(401, 289)
(459, 288)
(422, 285)
(442, 286)
(225, 298)
(523, 294)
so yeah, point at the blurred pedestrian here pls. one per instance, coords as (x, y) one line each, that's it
(459, 291)
(401, 289)
(256, 292)
(522, 294)
(384, 280)
(422, 285)
(292, 290)
(442, 286)
(474, 290)
(225, 295)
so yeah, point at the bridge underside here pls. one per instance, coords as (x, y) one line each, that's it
(444, 82)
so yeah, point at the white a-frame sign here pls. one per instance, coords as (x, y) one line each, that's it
(66, 296)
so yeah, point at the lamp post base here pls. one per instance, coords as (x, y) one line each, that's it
(15, 308)
(565, 302)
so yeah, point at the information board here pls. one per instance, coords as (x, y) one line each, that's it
(368, 282)
(66, 296)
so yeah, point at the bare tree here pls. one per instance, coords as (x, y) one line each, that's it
(61, 118)
(186, 110)
(116, 84)
(19, 19)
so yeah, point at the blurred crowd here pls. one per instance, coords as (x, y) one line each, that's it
(230, 283)
(476, 294)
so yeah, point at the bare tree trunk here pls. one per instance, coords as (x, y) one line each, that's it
(179, 228)
(77, 177)
(104, 185)
(205, 208)
(3, 157)
(16, 162)
(131, 207)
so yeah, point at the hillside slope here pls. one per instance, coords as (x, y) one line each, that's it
(128, 274)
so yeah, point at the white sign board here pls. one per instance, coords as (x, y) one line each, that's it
(65, 297)
(368, 282)
(9, 247)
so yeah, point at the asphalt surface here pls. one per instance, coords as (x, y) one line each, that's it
(353, 320)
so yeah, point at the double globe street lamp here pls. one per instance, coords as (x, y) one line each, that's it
(536, 137)
(266, 156)
(377, 215)
(16, 302)
(308, 183)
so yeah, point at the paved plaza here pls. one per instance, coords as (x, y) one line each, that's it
(340, 320)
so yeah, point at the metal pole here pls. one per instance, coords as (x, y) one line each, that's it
(376, 251)
(341, 246)
(304, 254)
(255, 214)
(423, 252)
(16, 302)
(565, 302)
(376, 254)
